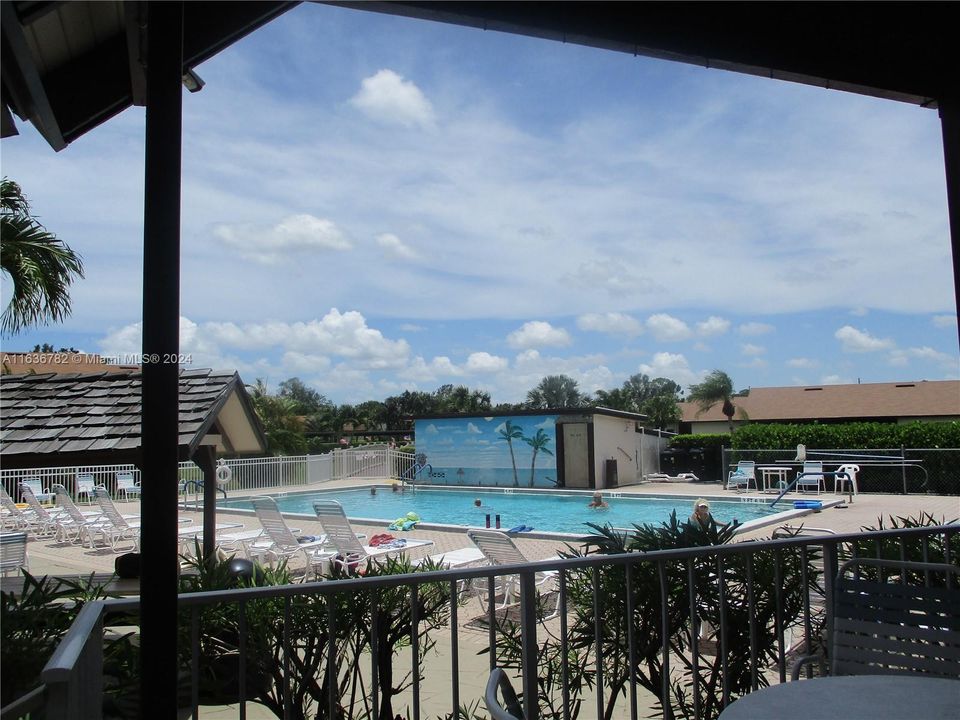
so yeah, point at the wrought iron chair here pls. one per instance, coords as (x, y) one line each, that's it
(509, 708)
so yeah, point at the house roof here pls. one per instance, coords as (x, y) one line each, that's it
(544, 411)
(94, 418)
(869, 401)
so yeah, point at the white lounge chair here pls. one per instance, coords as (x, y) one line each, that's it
(350, 553)
(499, 549)
(72, 521)
(11, 517)
(282, 543)
(117, 527)
(126, 485)
(13, 553)
(811, 476)
(742, 476)
(40, 520)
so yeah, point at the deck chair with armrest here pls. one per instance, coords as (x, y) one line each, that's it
(893, 617)
(13, 553)
(43, 494)
(350, 552)
(499, 549)
(742, 475)
(281, 543)
(85, 486)
(846, 474)
(811, 476)
(127, 486)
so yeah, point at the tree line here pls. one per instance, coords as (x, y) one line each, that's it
(298, 419)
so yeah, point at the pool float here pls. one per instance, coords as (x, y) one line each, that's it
(407, 522)
(807, 505)
(520, 529)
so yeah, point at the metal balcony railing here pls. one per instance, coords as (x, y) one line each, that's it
(617, 625)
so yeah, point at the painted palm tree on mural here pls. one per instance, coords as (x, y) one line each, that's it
(510, 432)
(539, 444)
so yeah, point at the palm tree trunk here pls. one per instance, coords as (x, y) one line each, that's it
(516, 480)
(533, 464)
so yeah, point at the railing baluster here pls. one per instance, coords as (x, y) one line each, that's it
(597, 647)
(195, 661)
(286, 658)
(664, 638)
(725, 675)
(631, 642)
(778, 613)
(415, 647)
(454, 647)
(752, 606)
(694, 635)
(528, 642)
(242, 660)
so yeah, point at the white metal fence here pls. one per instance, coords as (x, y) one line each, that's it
(372, 462)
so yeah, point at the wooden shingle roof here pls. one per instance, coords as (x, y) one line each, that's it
(867, 401)
(81, 418)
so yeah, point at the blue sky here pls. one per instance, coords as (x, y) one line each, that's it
(375, 204)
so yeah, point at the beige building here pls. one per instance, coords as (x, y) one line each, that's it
(868, 402)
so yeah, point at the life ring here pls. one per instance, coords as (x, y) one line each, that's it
(224, 474)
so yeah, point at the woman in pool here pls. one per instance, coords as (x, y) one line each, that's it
(598, 502)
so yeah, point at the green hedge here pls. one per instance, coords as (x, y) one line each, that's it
(700, 441)
(856, 435)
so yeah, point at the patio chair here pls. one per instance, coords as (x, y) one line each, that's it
(851, 477)
(510, 708)
(13, 553)
(894, 617)
(350, 553)
(810, 477)
(72, 520)
(85, 486)
(282, 543)
(499, 549)
(11, 517)
(41, 493)
(742, 476)
(40, 520)
(126, 485)
(116, 527)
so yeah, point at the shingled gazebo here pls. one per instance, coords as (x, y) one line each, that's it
(57, 420)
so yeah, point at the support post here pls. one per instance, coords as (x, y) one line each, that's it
(206, 459)
(160, 398)
(950, 126)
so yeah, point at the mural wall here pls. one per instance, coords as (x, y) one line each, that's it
(518, 451)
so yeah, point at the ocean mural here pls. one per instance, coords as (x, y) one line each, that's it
(513, 451)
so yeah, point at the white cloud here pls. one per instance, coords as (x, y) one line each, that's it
(537, 333)
(755, 328)
(944, 321)
(295, 234)
(802, 362)
(853, 340)
(673, 366)
(388, 98)
(395, 248)
(473, 429)
(835, 380)
(859, 312)
(611, 323)
(484, 362)
(901, 358)
(713, 325)
(667, 328)
(751, 349)
(411, 327)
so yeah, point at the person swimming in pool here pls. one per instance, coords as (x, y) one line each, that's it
(477, 503)
(701, 515)
(598, 502)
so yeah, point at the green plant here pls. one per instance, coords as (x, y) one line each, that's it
(604, 592)
(34, 622)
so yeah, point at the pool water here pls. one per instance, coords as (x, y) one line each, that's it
(546, 512)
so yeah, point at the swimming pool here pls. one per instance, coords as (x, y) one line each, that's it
(550, 511)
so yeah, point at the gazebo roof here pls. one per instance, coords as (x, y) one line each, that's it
(88, 419)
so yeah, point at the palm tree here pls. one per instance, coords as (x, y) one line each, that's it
(717, 387)
(539, 444)
(555, 391)
(40, 265)
(282, 425)
(510, 432)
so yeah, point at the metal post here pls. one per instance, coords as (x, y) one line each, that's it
(160, 392)
(903, 467)
(528, 642)
(950, 126)
(206, 459)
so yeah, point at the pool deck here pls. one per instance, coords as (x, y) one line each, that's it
(50, 558)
